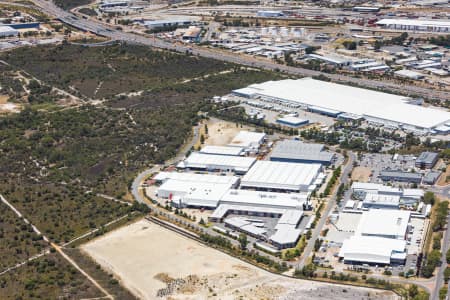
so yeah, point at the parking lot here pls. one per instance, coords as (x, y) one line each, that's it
(272, 111)
(379, 162)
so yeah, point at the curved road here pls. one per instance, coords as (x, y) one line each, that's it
(101, 29)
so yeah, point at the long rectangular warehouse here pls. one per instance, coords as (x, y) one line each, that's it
(299, 152)
(376, 107)
(213, 162)
(281, 176)
(415, 25)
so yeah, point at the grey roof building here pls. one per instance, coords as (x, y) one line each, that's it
(393, 175)
(431, 177)
(299, 152)
(427, 160)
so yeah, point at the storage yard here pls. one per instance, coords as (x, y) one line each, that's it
(147, 258)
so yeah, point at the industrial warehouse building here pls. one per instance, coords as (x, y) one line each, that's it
(376, 195)
(213, 162)
(392, 224)
(8, 31)
(300, 152)
(223, 150)
(291, 121)
(336, 99)
(283, 176)
(380, 238)
(196, 190)
(248, 205)
(415, 25)
(373, 251)
(400, 176)
(427, 160)
(249, 140)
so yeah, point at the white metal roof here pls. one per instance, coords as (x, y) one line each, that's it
(245, 225)
(292, 120)
(386, 200)
(371, 249)
(211, 161)
(408, 73)
(247, 139)
(281, 175)
(222, 209)
(195, 177)
(384, 222)
(285, 234)
(291, 217)
(375, 188)
(8, 30)
(359, 101)
(415, 22)
(258, 198)
(222, 150)
(195, 193)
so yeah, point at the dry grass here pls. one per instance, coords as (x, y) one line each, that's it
(361, 174)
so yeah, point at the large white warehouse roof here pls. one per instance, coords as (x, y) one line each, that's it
(258, 198)
(415, 22)
(281, 176)
(199, 160)
(222, 150)
(195, 177)
(373, 105)
(248, 139)
(384, 223)
(371, 249)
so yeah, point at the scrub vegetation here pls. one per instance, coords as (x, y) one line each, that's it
(55, 161)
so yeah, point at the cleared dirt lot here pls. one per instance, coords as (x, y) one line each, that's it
(361, 174)
(149, 259)
(220, 133)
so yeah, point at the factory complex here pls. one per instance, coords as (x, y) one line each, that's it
(380, 226)
(342, 101)
(380, 238)
(266, 199)
(264, 189)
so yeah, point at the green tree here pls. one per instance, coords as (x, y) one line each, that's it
(429, 198)
(243, 241)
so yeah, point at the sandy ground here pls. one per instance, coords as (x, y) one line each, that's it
(155, 263)
(220, 133)
(361, 174)
(443, 179)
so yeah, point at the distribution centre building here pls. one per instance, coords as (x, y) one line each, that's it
(392, 224)
(197, 190)
(373, 251)
(213, 162)
(415, 25)
(300, 152)
(282, 176)
(223, 150)
(335, 99)
(380, 238)
(249, 140)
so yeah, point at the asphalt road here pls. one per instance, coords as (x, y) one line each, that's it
(440, 271)
(330, 204)
(101, 29)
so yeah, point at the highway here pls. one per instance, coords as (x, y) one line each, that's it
(51, 9)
